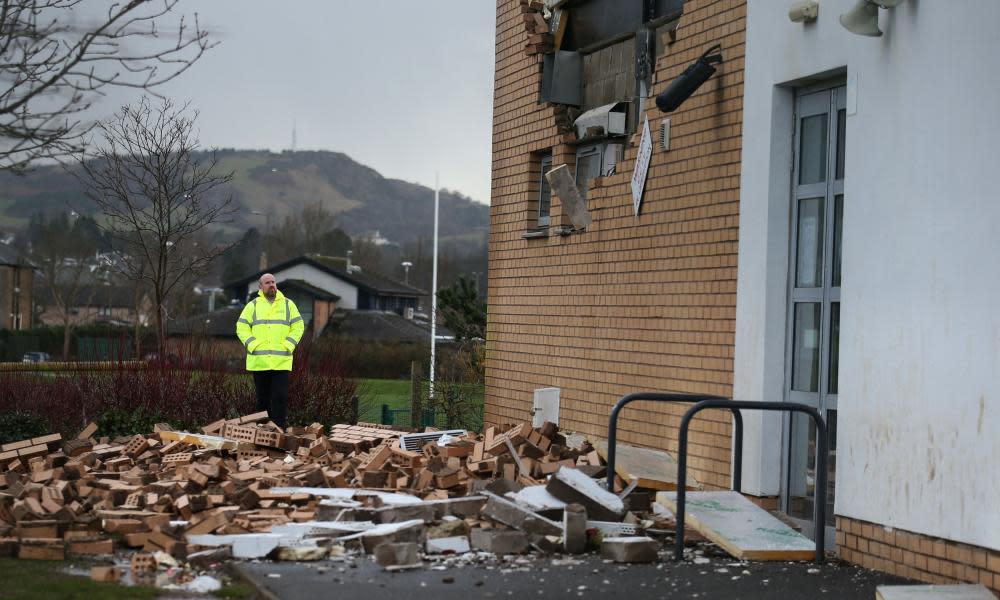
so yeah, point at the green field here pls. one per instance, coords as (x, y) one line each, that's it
(373, 393)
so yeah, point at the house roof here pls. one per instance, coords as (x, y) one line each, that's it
(93, 295)
(307, 288)
(10, 256)
(367, 280)
(375, 325)
(219, 323)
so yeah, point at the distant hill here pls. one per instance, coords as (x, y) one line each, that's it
(276, 184)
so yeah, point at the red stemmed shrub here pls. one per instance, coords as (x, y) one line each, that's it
(186, 390)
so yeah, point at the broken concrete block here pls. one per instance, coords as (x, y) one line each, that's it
(538, 499)
(205, 558)
(570, 485)
(469, 506)
(301, 553)
(630, 549)
(575, 529)
(499, 541)
(401, 554)
(444, 545)
(398, 514)
(392, 533)
(519, 517)
(548, 544)
(458, 527)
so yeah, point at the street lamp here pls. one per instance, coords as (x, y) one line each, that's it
(406, 271)
(267, 217)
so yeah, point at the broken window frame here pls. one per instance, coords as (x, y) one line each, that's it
(544, 192)
(587, 151)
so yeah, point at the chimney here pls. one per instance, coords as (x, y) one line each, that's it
(349, 254)
(263, 261)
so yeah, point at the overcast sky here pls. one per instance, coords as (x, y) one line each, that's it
(401, 86)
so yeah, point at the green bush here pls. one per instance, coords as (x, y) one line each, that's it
(115, 423)
(15, 426)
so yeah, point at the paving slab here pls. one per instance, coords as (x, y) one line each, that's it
(933, 592)
(740, 527)
(536, 498)
(647, 468)
(572, 485)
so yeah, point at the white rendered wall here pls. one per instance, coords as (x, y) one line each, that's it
(348, 293)
(919, 415)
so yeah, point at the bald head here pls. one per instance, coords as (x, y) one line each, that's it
(268, 286)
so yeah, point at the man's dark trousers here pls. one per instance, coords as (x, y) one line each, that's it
(272, 394)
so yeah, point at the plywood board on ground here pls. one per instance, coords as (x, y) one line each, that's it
(933, 592)
(650, 469)
(740, 527)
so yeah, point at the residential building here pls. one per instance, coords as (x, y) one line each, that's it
(17, 287)
(808, 232)
(335, 283)
(96, 303)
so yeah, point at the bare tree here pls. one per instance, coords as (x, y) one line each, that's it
(63, 251)
(52, 67)
(157, 196)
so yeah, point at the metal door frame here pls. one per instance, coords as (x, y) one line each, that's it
(827, 98)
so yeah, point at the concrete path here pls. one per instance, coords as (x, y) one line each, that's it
(565, 577)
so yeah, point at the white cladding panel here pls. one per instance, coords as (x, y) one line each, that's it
(919, 402)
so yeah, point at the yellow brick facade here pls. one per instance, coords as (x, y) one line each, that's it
(631, 304)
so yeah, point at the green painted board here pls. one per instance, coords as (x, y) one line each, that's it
(740, 527)
(650, 469)
(933, 592)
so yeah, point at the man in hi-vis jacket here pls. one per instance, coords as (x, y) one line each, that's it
(270, 327)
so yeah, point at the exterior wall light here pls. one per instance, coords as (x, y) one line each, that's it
(863, 18)
(690, 80)
(804, 12)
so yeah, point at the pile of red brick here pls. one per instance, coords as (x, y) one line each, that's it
(87, 495)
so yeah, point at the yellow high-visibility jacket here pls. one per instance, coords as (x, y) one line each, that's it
(270, 331)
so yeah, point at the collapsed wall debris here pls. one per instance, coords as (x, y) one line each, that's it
(245, 488)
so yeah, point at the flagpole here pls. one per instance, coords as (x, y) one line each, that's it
(434, 283)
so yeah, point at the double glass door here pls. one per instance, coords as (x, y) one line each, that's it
(814, 292)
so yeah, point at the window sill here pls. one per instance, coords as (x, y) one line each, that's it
(561, 231)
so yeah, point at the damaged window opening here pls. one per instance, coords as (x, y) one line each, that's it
(606, 57)
(544, 192)
(588, 168)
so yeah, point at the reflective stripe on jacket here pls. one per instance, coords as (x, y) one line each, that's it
(270, 331)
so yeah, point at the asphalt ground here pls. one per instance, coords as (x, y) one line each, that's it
(526, 577)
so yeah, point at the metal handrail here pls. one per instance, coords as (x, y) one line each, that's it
(819, 498)
(657, 397)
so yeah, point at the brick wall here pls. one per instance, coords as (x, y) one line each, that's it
(631, 304)
(916, 556)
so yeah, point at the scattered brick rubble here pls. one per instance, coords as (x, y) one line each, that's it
(245, 488)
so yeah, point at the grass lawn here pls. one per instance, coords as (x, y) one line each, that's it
(373, 393)
(42, 580)
(45, 580)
